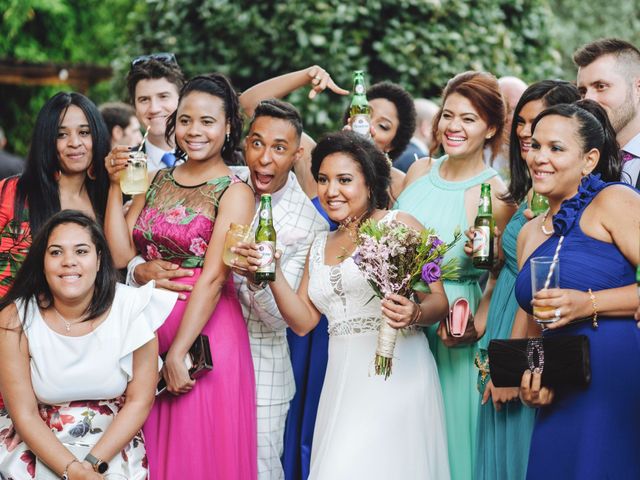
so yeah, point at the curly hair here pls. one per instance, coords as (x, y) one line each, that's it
(405, 106)
(374, 165)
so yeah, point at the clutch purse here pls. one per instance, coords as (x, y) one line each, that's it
(562, 360)
(197, 360)
(458, 318)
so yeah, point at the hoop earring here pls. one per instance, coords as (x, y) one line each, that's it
(91, 172)
(56, 176)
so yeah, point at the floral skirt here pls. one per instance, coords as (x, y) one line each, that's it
(78, 425)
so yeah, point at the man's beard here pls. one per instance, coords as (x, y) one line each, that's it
(621, 117)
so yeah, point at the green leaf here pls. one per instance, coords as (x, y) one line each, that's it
(421, 287)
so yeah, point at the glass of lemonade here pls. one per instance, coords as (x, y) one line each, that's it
(236, 233)
(545, 273)
(134, 179)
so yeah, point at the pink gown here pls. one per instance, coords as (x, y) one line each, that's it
(210, 432)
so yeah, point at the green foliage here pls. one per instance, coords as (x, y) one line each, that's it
(579, 22)
(60, 31)
(417, 43)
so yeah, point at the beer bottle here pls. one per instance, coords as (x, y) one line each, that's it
(483, 231)
(539, 204)
(266, 240)
(360, 112)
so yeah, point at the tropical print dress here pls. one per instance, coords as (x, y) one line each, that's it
(15, 235)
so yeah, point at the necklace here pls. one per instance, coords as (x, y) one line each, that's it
(67, 323)
(351, 224)
(542, 227)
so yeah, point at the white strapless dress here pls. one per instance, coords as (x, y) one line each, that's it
(368, 428)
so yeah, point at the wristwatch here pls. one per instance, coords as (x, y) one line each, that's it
(98, 465)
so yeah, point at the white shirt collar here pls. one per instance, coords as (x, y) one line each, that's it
(154, 155)
(633, 146)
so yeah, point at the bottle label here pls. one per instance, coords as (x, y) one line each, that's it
(265, 213)
(359, 89)
(361, 124)
(267, 262)
(481, 239)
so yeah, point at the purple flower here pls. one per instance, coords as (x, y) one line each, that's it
(430, 272)
(357, 257)
(435, 243)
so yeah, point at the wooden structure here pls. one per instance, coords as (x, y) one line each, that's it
(79, 76)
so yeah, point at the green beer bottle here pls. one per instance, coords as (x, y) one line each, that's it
(483, 231)
(360, 111)
(539, 204)
(266, 240)
(638, 278)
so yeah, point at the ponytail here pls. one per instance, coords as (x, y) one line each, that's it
(595, 131)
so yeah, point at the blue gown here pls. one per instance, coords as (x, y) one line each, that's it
(309, 355)
(591, 432)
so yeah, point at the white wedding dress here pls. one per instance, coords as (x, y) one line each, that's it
(368, 428)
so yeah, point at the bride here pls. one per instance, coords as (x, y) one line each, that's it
(366, 427)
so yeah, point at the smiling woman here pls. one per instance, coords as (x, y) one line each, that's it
(443, 194)
(183, 219)
(64, 170)
(89, 349)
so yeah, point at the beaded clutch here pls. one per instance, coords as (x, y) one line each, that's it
(562, 360)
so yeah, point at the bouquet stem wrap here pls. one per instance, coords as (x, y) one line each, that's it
(396, 258)
(384, 350)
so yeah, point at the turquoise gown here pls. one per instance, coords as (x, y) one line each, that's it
(439, 204)
(503, 437)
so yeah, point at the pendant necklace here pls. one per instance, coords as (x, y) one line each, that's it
(67, 323)
(542, 227)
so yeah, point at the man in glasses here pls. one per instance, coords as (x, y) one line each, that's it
(154, 82)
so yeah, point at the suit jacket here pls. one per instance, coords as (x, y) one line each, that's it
(297, 222)
(406, 158)
(10, 165)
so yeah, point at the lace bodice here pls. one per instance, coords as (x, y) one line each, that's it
(342, 293)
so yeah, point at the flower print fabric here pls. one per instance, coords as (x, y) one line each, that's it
(15, 235)
(78, 425)
(177, 221)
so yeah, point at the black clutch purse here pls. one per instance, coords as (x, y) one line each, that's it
(198, 361)
(562, 360)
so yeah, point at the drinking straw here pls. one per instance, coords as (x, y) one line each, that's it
(245, 238)
(553, 263)
(144, 138)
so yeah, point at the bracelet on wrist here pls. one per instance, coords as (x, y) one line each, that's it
(65, 474)
(417, 315)
(594, 305)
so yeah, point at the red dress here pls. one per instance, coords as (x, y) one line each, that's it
(15, 235)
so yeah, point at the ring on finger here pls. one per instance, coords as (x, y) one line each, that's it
(557, 314)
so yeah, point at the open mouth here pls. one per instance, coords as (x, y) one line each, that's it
(454, 140)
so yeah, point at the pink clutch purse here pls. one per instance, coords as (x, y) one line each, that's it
(458, 317)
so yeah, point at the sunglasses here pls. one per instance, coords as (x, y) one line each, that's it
(164, 57)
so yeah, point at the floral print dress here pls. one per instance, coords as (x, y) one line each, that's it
(15, 235)
(210, 432)
(79, 382)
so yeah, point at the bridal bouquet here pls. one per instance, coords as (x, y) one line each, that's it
(395, 258)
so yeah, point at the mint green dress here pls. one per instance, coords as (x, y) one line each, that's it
(439, 204)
